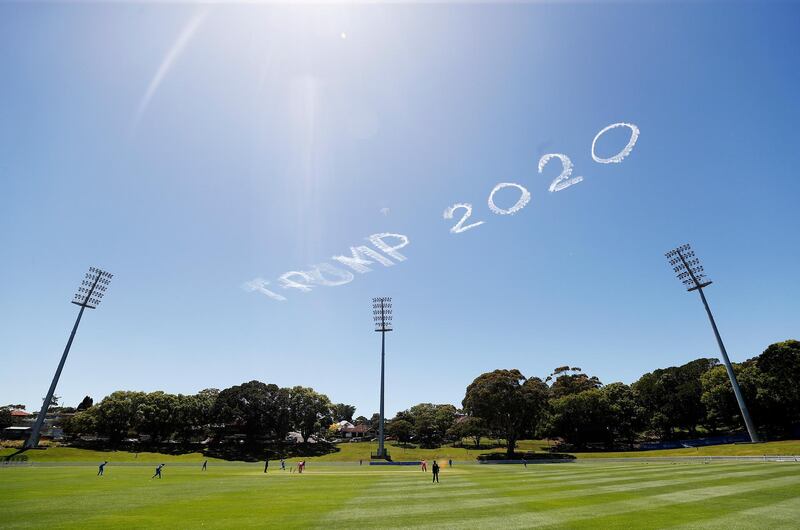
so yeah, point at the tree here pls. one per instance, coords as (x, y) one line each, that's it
(430, 422)
(255, 408)
(508, 403)
(157, 415)
(580, 419)
(571, 383)
(689, 408)
(310, 411)
(719, 399)
(400, 429)
(671, 397)
(85, 403)
(444, 417)
(84, 422)
(625, 417)
(362, 420)
(116, 415)
(6, 420)
(194, 414)
(54, 401)
(342, 412)
(374, 421)
(469, 427)
(780, 390)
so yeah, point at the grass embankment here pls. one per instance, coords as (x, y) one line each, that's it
(348, 452)
(72, 454)
(353, 452)
(595, 494)
(784, 447)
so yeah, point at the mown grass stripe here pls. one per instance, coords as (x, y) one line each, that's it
(522, 481)
(614, 477)
(611, 495)
(400, 505)
(537, 493)
(781, 514)
(564, 516)
(622, 470)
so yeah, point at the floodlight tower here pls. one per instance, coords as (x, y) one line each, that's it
(89, 294)
(687, 266)
(382, 315)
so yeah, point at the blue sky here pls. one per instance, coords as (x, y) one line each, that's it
(189, 149)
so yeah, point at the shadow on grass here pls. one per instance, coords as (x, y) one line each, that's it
(248, 452)
(529, 457)
(273, 451)
(17, 456)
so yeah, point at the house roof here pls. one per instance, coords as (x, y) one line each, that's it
(356, 429)
(20, 412)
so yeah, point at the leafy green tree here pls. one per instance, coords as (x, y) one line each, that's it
(625, 417)
(425, 432)
(85, 403)
(469, 427)
(689, 408)
(362, 420)
(156, 415)
(779, 393)
(310, 411)
(116, 415)
(444, 417)
(671, 397)
(6, 420)
(405, 415)
(254, 408)
(400, 429)
(508, 403)
(194, 414)
(343, 412)
(82, 423)
(582, 418)
(374, 421)
(430, 422)
(566, 383)
(720, 401)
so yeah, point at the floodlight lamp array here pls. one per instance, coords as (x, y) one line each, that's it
(687, 267)
(382, 313)
(92, 288)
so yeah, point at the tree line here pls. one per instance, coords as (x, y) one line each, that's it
(258, 412)
(668, 403)
(569, 406)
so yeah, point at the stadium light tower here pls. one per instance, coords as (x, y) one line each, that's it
(687, 266)
(89, 294)
(382, 316)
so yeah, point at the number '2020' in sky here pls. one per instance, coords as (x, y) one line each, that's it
(387, 244)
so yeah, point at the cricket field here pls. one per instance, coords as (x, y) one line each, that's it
(580, 494)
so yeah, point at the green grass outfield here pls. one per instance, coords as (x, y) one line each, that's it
(353, 452)
(584, 494)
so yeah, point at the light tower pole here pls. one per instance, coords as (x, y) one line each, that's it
(382, 316)
(89, 294)
(687, 266)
